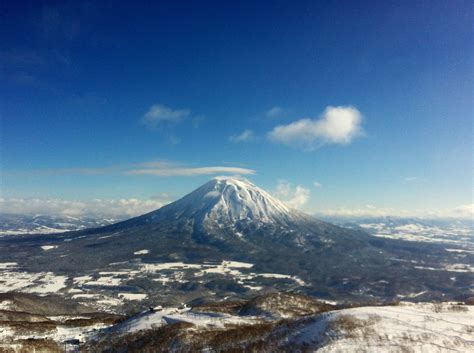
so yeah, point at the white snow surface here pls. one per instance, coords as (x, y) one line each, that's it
(13, 279)
(48, 247)
(225, 201)
(141, 252)
(408, 327)
(240, 199)
(165, 316)
(133, 296)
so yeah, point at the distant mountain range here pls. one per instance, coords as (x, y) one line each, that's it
(231, 238)
(49, 224)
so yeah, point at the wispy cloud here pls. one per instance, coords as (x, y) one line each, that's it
(28, 67)
(104, 208)
(317, 184)
(274, 112)
(190, 171)
(411, 179)
(159, 168)
(168, 168)
(159, 113)
(337, 125)
(244, 136)
(294, 196)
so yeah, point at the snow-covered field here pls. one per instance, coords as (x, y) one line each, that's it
(408, 327)
(13, 279)
(180, 272)
(451, 233)
(105, 290)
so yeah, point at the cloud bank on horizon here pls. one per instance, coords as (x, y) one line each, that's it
(463, 212)
(294, 196)
(121, 208)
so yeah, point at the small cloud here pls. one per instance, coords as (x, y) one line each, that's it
(337, 125)
(317, 184)
(411, 179)
(246, 135)
(159, 113)
(294, 196)
(274, 112)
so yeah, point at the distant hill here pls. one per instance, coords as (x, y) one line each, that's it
(11, 224)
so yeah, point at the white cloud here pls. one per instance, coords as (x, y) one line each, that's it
(337, 125)
(190, 171)
(274, 112)
(105, 208)
(462, 212)
(317, 184)
(159, 113)
(246, 135)
(465, 211)
(159, 168)
(294, 196)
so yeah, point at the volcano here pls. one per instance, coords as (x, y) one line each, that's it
(231, 219)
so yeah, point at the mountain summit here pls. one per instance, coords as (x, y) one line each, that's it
(226, 199)
(227, 203)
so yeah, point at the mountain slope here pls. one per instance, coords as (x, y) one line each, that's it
(229, 219)
(231, 209)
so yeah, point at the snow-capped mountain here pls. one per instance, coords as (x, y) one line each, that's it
(228, 210)
(228, 204)
(190, 243)
(229, 201)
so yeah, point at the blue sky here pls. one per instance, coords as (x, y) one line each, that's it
(344, 106)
